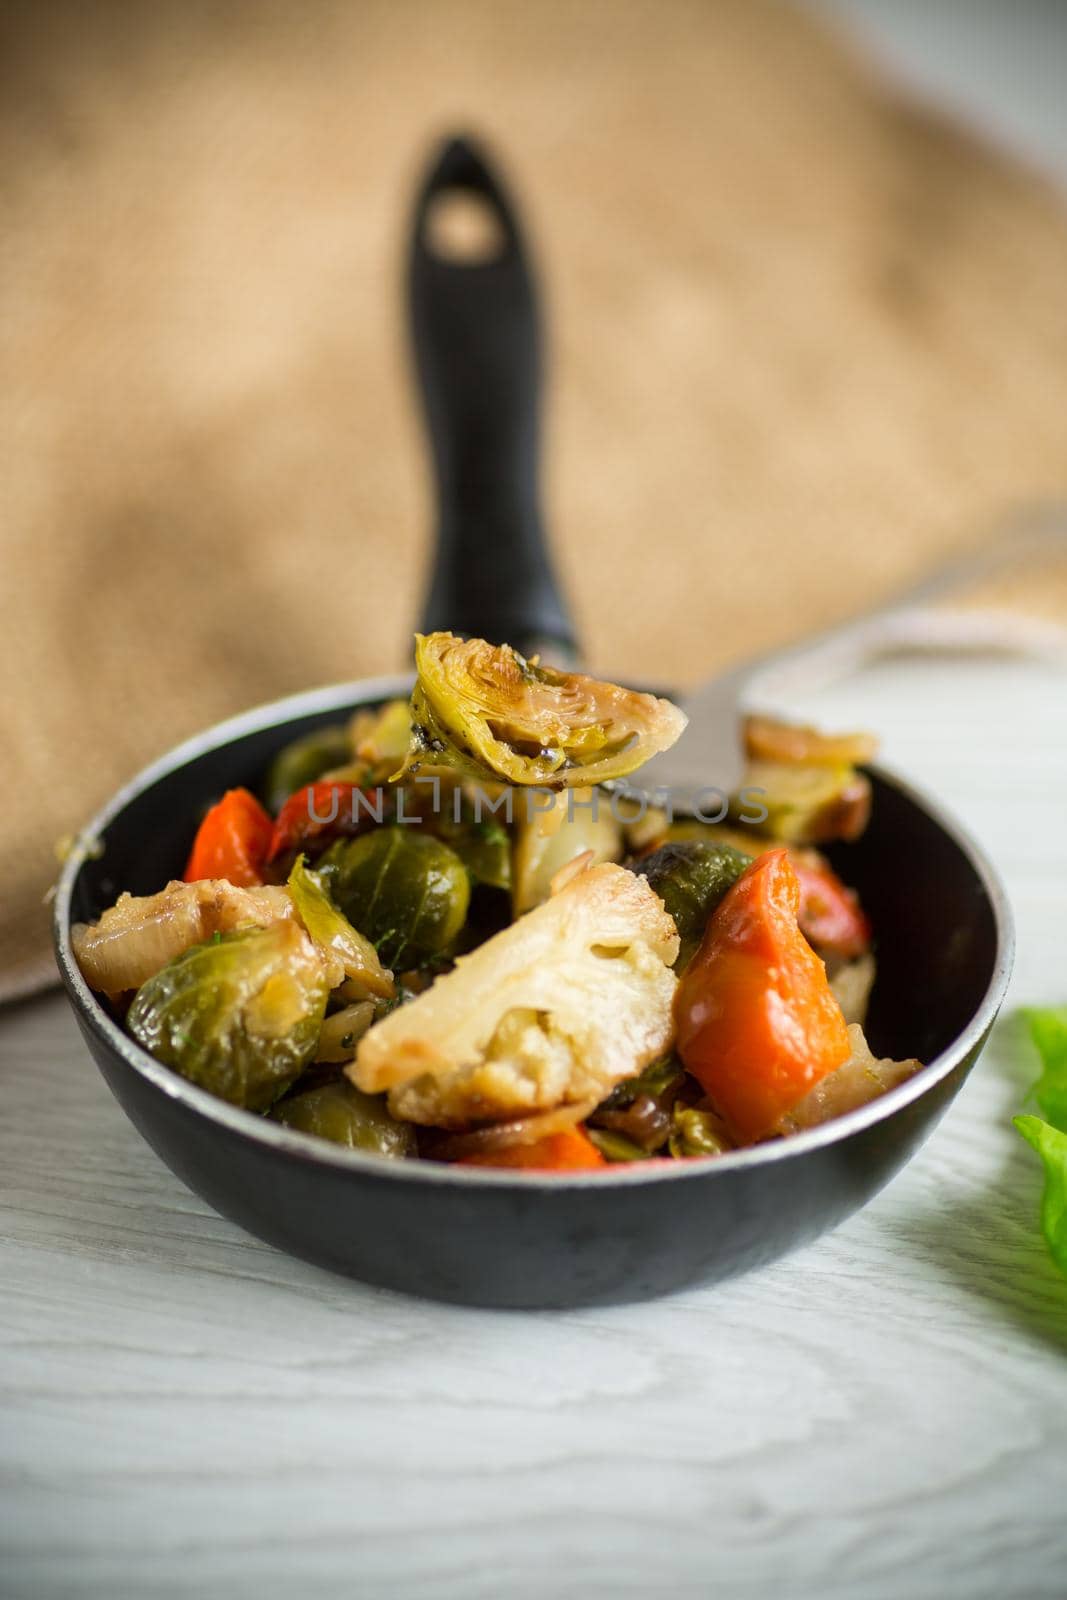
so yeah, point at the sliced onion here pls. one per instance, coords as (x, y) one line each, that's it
(341, 1032)
(861, 1079)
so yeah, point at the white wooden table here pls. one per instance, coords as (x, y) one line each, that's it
(187, 1412)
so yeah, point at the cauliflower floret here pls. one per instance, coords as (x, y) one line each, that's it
(555, 1010)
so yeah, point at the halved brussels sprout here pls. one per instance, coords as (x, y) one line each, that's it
(345, 1115)
(482, 843)
(691, 876)
(484, 848)
(807, 804)
(783, 801)
(302, 761)
(353, 955)
(486, 711)
(405, 890)
(239, 1016)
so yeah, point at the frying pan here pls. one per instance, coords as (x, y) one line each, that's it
(511, 1238)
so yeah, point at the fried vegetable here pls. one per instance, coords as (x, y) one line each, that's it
(343, 1030)
(555, 1010)
(638, 1131)
(660, 1081)
(691, 877)
(405, 890)
(655, 829)
(831, 916)
(495, 1136)
(859, 1080)
(485, 850)
(570, 1151)
(638, 1110)
(616, 1146)
(231, 842)
(807, 805)
(345, 1115)
(380, 738)
(698, 1131)
(353, 956)
(328, 809)
(486, 711)
(758, 1025)
(240, 1017)
(852, 982)
(768, 739)
(482, 843)
(548, 837)
(304, 760)
(139, 934)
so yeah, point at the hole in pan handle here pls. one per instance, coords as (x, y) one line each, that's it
(476, 334)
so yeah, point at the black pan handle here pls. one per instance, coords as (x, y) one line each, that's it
(477, 345)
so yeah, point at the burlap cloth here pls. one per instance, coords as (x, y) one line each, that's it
(803, 337)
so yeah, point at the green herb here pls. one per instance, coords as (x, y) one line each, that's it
(1048, 1029)
(1051, 1145)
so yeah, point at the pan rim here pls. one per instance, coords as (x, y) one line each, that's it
(319, 1152)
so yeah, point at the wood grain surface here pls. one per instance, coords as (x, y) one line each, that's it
(187, 1412)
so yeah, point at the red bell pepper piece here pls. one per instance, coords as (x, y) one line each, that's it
(758, 1024)
(325, 810)
(232, 841)
(830, 915)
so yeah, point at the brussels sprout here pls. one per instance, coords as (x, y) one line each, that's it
(804, 804)
(240, 1016)
(335, 936)
(380, 738)
(485, 850)
(405, 890)
(482, 842)
(345, 1115)
(691, 878)
(488, 712)
(302, 761)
